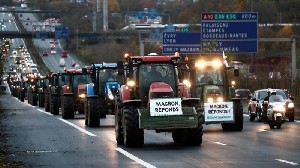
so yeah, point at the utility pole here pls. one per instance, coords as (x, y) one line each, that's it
(105, 15)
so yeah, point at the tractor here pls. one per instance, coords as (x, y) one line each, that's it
(154, 98)
(209, 80)
(101, 93)
(42, 84)
(74, 92)
(32, 94)
(53, 92)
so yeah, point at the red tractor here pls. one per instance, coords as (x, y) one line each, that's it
(153, 98)
(74, 92)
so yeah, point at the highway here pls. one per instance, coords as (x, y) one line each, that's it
(39, 139)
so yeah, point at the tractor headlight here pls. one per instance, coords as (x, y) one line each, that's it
(220, 99)
(111, 96)
(210, 100)
(82, 95)
(131, 83)
(187, 83)
(291, 105)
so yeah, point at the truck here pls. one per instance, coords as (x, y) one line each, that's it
(74, 92)
(217, 94)
(101, 92)
(153, 98)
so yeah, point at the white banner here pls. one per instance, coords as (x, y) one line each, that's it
(218, 112)
(162, 107)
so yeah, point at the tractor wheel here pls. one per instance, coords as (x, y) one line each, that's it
(34, 99)
(85, 104)
(103, 109)
(22, 96)
(41, 100)
(177, 135)
(67, 109)
(193, 136)
(54, 107)
(47, 103)
(93, 108)
(81, 108)
(118, 124)
(29, 99)
(133, 135)
(239, 118)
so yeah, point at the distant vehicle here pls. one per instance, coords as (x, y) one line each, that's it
(244, 94)
(45, 53)
(52, 46)
(62, 62)
(28, 18)
(64, 53)
(23, 5)
(256, 105)
(53, 52)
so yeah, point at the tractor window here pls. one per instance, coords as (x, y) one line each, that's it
(149, 73)
(209, 77)
(82, 79)
(107, 75)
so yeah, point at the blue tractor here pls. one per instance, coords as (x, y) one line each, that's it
(100, 94)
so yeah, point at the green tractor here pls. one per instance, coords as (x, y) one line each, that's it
(32, 94)
(153, 98)
(209, 80)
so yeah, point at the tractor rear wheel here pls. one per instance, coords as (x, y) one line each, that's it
(67, 110)
(93, 108)
(47, 103)
(54, 107)
(34, 99)
(133, 135)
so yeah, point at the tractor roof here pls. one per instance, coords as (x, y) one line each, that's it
(164, 58)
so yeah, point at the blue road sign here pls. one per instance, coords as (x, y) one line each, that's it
(61, 32)
(177, 38)
(41, 35)
(182, 49)
(234, 32)
(182, 42)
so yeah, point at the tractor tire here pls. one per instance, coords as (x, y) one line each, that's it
(81, 108)
(103, 109)
(41, 100)
(54, 107)
(85, 104)
(177, 135)
(118, 124)
(239, 118)
(47, 103)
(193, 136)
(22, 96)
(133, 135)
(34, 99)
(93, 110)
(67, 109)
(29, 99)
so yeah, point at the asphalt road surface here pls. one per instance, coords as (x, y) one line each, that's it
(39, 139)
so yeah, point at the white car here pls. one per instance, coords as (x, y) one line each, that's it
(62, 62)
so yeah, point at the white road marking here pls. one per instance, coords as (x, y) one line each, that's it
(263, 130)
(288, 162)
(77, 127)
(45, 112)
(134, 158)
(297, 121)
(220, 143)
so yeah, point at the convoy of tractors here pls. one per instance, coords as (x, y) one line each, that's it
(161, 93)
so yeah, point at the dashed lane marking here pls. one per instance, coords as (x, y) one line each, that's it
(77, 127)
(288, 162)
(134, 158)
(220, 143)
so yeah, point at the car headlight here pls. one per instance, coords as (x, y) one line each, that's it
(291, 105)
